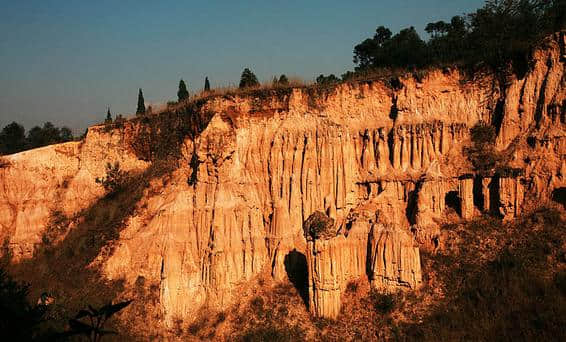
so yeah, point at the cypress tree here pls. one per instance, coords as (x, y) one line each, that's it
(206, 84)
(283, 80)
(108, 117)
(141, 104)
(248, 79)
(183, 93)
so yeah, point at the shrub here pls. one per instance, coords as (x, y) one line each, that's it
(483, 134)
(383, 303)
(18, 319)
(114, 180)
(319, 225)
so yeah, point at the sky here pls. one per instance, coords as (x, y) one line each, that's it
(66, 61)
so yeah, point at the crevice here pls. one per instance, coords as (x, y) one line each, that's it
(498, 114)
(412, 200)
(391, 145)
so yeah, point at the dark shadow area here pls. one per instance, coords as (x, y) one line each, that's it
(69, 269)
(394, 112)
(478, 193)
(494, 200)
(559, 196)
(497, 117)
(452, 200)
(297, 272)
(412, 199)
(516, 294)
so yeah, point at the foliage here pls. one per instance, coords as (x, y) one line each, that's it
(319, 225)
(182, 93)
(108, 119)
(326, 80)
(499, 34)
(141, 104)
(482, 153)
(19, 320)
(114, 180)
(248, 79)
(283, 80)
(94, 328)
(383, 303)
(268, 316)
(206, 84)
(12, 138)
(503, 282)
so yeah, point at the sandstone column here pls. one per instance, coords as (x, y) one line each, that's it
(466, 194)
(323, 263)
(394, 260)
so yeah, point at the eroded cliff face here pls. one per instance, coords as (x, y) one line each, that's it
(386, 163)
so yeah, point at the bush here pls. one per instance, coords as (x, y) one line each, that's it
(319, 225)
(19, 320)
(114, 180)
(383, 303)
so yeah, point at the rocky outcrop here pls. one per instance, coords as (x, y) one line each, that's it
(258, 165)
(394, 259)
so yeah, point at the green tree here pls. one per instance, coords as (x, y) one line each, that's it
(141, 104)
(283, 80)
(66, 134)
(248, 79)
(182, 93)
(12, 138)
(108, 119)
(324, 80)
(206, 84)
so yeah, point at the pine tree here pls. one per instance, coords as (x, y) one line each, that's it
(141, 104)
(283, 80)
(108, 117)
(183, 93)
(206, 84)
(248, 79)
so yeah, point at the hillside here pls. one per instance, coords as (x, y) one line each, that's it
(320, 186)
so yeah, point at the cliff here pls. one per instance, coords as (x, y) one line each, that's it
(383, 159)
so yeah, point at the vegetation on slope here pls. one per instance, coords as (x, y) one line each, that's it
(491, 280)
(13, 137)
(501, 33)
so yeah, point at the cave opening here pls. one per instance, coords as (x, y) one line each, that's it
(297, 272)
(559, 196)
(452, 200)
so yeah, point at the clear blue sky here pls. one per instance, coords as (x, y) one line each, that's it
(65, 61)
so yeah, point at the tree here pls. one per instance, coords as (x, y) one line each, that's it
(12, 138)
(324, 80)
(206, 84)
(43, 136)
(18, 319)
(66, 134)
(141, 104)
(114, 180)
(248, 79)
(283, 80)
(108, 119)
(182, 93)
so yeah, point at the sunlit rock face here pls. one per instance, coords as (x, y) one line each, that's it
(386, 165)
